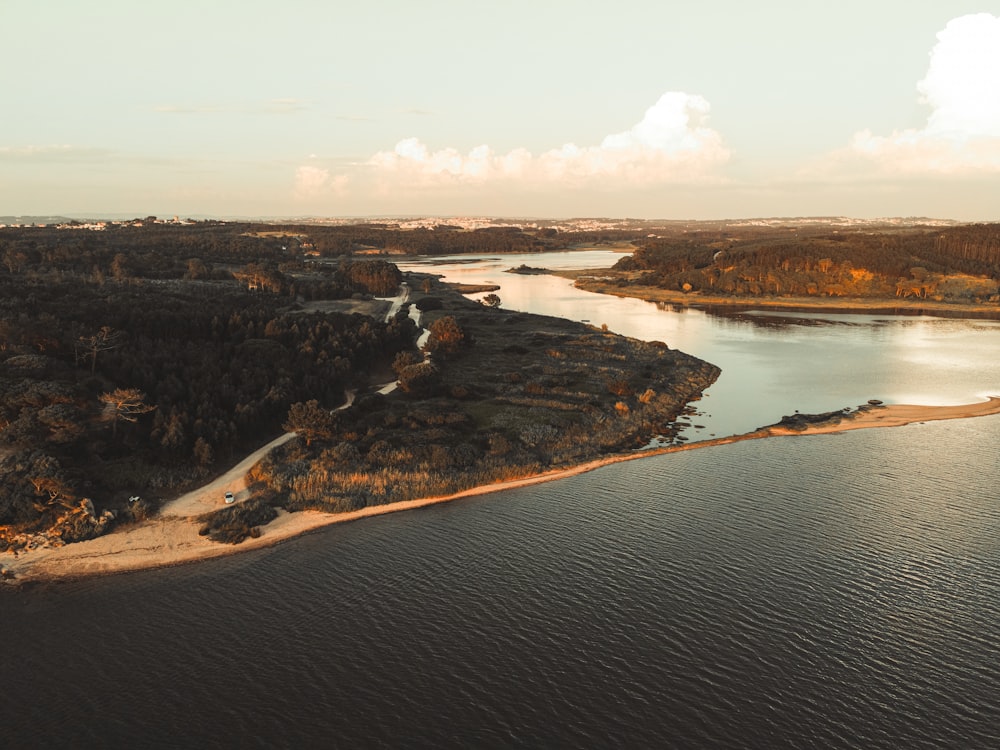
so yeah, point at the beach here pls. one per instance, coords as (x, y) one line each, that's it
(171, 538)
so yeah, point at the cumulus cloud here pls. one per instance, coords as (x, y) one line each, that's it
(317, 182)
(962, 88)
(672, 143)
(413, 161)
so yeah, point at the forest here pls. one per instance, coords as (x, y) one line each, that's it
(445, 239)
(138, 361)
(951, 264)
(135, 362)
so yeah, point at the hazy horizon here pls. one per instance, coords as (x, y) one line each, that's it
(405, 218)
(647, 111)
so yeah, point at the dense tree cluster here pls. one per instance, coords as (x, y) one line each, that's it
(443, 240)
(974, 242)
(140, 377)
(262, 259)
(954, 264)
(376, 277)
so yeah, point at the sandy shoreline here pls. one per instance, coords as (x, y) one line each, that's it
(172, 537)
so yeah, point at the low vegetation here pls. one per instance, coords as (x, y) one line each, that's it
(504, 396)
(235, 523)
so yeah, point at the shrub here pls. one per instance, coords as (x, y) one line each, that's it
(428, 303)
(619, 388)
(418, 380)
(403, 360)
(233, 524)
(447, 336)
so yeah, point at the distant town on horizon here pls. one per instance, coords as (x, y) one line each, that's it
(478, 222)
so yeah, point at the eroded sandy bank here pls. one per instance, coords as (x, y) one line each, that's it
(172, 538)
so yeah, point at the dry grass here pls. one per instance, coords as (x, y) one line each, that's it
(530, 393)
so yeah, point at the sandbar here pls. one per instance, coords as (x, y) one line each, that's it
(171, 538)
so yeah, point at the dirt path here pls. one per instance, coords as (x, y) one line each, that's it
(172, 536)
(212, 495)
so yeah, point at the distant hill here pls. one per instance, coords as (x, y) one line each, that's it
(23, 220)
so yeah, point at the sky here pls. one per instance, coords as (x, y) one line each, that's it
(527, 108)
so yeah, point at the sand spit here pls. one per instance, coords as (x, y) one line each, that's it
(172, 537)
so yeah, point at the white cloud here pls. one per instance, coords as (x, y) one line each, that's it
(962, 87)
(672, 143)
(317, 182)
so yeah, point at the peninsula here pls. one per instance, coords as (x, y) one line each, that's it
(133, 371)
(172, 538)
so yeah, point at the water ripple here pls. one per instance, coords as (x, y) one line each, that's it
(800, 593)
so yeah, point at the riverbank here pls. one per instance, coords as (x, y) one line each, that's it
(601, 282)
(172, 537)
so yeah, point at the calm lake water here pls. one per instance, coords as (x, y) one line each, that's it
(772, 362)
(837, 591)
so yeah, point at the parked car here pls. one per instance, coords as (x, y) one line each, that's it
(229, 498)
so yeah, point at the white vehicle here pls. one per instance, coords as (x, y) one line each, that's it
(229, 498)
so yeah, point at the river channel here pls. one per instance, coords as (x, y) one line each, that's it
(773, 363)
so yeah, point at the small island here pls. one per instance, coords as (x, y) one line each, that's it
(525, 270)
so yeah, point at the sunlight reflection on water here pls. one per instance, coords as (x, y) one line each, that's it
(773, 362)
